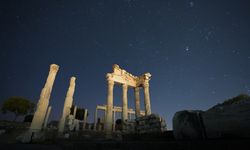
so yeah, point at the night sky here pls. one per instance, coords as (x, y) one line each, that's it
(198, 52)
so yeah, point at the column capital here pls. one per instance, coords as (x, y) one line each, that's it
(137, 89)
(54, 67)
(146, 84)
(110, 82)
(124, 86)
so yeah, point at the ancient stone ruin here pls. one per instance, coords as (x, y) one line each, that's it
(116, 109)
(68, 121)
(126, 79)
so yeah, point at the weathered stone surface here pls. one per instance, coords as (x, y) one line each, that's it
(47, 117)
(43, 102)
(188, 125)
(227, 120)
(67, 104)
(150, 124)
(71, 123)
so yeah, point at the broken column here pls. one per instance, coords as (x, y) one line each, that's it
(39, 116)
(67, 104)
(85, 118)
(146, 94)
(47, 117)
(95, 119)
(75, 109)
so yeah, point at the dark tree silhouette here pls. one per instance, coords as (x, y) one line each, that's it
(79, 112)
(28, 118)
(18, 105)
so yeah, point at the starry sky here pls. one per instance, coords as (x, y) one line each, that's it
(198, 52)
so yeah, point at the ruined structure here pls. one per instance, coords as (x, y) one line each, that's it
(67, 104)
(43, 102)
(126, 79)
(114, 110)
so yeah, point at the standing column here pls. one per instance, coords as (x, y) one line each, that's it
(114, 120)
(147, 99)
(124, 102)
(67, 104)
(85, 118)
(47, 117)
(74, 114)
(137, 102)
(43, 102)
(108, 120)
(95, 119)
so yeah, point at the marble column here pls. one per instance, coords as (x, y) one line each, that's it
(147, 99)
(85, 118)
(137, 101)
(75, 109)
(95, 119)
(67, 104)
(124, 102)
(109, 115)
(114, 120)
(39, 116)
(47, 117)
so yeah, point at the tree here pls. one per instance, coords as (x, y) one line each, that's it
(28, 118)
(79, 112)
(18, 105)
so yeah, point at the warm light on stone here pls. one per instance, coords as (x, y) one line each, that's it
(121, 76)
(67, 104)
(43, 102)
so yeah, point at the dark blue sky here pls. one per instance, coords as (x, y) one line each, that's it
(198, 52)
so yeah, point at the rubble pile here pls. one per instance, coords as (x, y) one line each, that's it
(150, 124)
(129, 126)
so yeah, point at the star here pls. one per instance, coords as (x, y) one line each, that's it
(236, 52)
(187, 50)
(191, 4)
(130, 44)
(213, 92)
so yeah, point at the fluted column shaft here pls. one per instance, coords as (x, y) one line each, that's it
(124, 102)
(108, 120)
(147, 99)
(137, 102)
(67, 104)
(42, 105)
